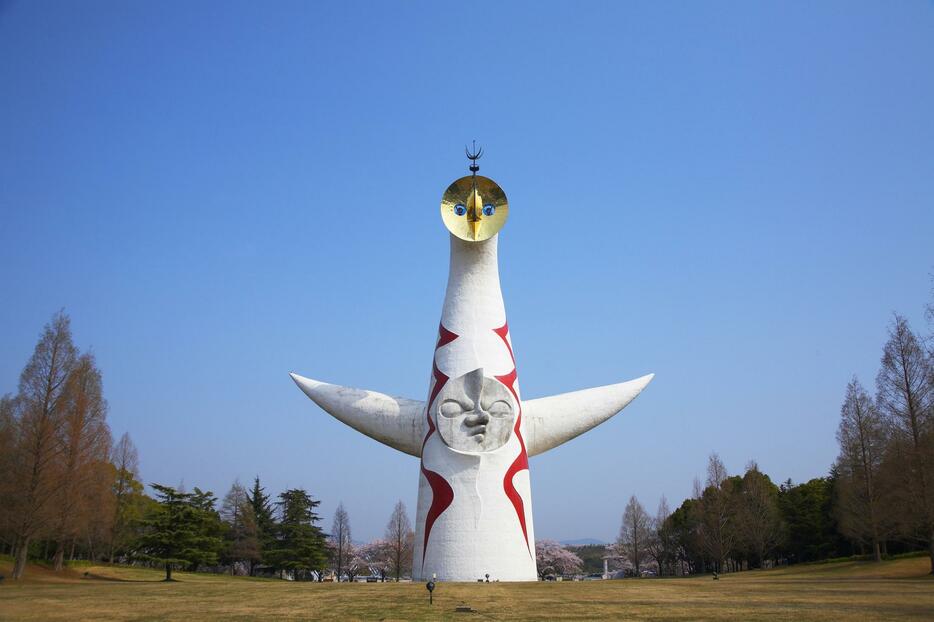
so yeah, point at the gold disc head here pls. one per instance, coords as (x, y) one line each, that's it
(474, 208)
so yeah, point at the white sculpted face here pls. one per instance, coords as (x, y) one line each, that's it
(475, 413)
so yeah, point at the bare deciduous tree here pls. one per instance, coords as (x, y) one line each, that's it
(862, 437)
(85, 446)
(662, 546)
(38, 448)
(716, 471)
(242, 535)
(7, 456)
(401, 539)
(635, 534)
(905, 394)
(125, 460)
(716, 528)
(340, 540)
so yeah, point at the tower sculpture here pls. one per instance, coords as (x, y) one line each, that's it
(475, 433)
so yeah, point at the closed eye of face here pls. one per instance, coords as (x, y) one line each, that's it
(452, 408)
(500, 408)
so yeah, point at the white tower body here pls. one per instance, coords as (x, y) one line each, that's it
(474, 507)
(474, 434)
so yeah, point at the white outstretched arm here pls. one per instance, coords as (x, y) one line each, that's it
(393, 421)
(551, 421)
(400, 423)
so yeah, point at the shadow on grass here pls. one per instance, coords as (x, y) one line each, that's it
(97, 577)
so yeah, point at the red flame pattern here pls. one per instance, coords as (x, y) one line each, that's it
(521, 463)
(442, 495)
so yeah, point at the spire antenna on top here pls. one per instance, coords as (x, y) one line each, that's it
(474, 156)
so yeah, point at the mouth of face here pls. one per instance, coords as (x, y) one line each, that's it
(476, 431)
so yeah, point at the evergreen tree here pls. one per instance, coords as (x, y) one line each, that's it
(807, 512)
(264, 521)
(181, 530)
(685, 524)
(299, 544)
(758, 520)
(210, 526)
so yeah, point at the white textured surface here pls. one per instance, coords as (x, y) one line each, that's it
(394, 421)
(400, 422)
(480, 531)
(554, 420)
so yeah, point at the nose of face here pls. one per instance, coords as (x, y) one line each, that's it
(474, 212)
(477, 420)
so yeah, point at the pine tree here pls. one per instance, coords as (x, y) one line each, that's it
(181, 530)
(264, 520)
(210, 526)
(298, 545)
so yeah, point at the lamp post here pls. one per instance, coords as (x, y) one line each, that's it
(431, 588)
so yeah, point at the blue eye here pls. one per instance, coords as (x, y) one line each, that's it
(460, 209)
(489, 210)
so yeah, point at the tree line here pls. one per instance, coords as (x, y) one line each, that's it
(877, 500)
(250, 534)
(68, 490)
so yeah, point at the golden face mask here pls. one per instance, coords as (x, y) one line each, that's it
(474, 208)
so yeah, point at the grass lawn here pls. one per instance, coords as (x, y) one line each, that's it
(846, 590)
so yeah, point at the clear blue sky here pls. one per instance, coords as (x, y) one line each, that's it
(735, 196)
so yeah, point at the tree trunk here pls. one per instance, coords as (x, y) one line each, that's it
(931, 551)
(168, 572)
(59, 557)
(22, 553)
(876, 551)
